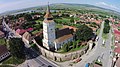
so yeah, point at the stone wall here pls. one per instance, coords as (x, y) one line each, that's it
(62, 56)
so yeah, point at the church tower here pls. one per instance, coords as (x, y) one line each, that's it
(48, 30)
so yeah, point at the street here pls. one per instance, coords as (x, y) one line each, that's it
(98, 51)
(34, 59)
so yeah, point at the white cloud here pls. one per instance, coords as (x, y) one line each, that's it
(107, 5)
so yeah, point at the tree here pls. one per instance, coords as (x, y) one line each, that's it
(74, 44)
(106, 27)
(28, 17)
(17, 47)
(65, 47)
(84, 33)
(72, 19)
(78, 41)
(107, 21)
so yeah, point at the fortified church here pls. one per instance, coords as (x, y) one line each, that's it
(54, 39)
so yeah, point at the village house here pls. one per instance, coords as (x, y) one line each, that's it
(36, 16)
(1, 34)
(116, 58)
(27, 37)
(22, 31)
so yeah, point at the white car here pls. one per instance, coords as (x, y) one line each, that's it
(103, 42)
(97, 38)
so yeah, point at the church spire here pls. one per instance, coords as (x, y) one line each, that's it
(48, 13)
(48, 8)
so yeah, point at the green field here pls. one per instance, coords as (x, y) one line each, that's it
(59, 25)
(105, 36)
(2, 41)
(6, 66)
(13, 60)
(71, 50)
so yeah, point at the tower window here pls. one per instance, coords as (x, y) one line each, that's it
(49, 18)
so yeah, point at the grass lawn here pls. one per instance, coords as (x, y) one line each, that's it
(32, 45)
(78, 48)
(39, 21)
(59, 26)
(119, 28)
(5, 66)
(13, 60)
(60, 51)
(73, 49)
(77, 18)
(98, 31)
(36, 31)
(112, 47)
(104, 36)
(65, 20)
(2, 41)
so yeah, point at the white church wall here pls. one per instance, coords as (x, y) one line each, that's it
(60, 44)
(48, 34)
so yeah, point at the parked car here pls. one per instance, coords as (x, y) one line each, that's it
(87, 64)
(97, 38)
(103, 43)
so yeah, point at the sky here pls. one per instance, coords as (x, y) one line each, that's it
(8, 5)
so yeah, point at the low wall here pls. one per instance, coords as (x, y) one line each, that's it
(62, 56)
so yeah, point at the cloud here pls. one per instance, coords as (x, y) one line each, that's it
(107, 5)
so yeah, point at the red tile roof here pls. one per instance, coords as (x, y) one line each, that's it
(63, 38)
(70, 27)
(29, 29)
(1, 33)
(116, 32)
(119, 24)
(3, 50)
(117, 50)
(117, 44)
(63, 34)
(114, 26)
(21, 31)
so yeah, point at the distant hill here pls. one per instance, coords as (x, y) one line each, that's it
(64, 6)
(81, 6)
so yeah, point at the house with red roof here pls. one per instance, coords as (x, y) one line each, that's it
(4, 53)
(22, 31)
(1, 34)
(117, 41)
(116, 32)
(117, 35)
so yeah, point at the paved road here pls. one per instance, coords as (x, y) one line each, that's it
(108, 52)
(34, 59)
(99, 51)
(9, 32)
